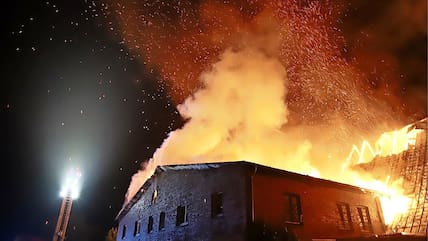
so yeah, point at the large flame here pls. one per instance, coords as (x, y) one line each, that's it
(393, 200)
(282, 62)
(239, 115)
(389, 143)
(394, 205)
(391, 196)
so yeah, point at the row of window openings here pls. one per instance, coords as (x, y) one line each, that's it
(181, 216)
(293, 213)
(346, 221)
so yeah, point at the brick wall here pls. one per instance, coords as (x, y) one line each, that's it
(320, 214)
(246, 187)
(192, 189)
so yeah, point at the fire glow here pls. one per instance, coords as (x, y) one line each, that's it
(393, 200)
(230, 122)
(389, 143)
(256, 81)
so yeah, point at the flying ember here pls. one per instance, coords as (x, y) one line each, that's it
(269, 83)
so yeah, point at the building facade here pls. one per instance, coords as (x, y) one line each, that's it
(176, 205)
(245, 201)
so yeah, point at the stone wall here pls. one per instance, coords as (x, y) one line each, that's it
(191, 188)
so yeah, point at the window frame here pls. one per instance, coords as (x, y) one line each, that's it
(365, 224)
(124, 231)
(344, 210)
(150, 224)
(288, 197)
(184, 219)
(162, 221)
(137, 228)
(217, 209)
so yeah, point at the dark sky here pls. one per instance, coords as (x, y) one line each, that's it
(73, 95)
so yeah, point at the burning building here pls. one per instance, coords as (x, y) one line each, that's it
(409, 166)
(246, 201)
(251, 105)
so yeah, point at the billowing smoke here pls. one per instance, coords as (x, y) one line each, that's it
(272, 83)
(236, 115)
(329, 63)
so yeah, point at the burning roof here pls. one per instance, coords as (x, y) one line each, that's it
(409, 168)
(394, 200)
(271, 83)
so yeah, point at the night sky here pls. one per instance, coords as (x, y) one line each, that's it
(73, 93)
(71, 97)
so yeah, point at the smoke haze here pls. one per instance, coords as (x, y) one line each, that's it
(281, 84)
(339, 63)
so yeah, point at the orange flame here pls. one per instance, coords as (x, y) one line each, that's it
(393, 200)
(389, 143)
(243, 98)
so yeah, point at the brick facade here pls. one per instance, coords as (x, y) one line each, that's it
(319, 204)
(192, 189)
(250, 195)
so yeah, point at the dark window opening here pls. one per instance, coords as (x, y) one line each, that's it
(162, 221)
(137, 227)
(124, 232)
(293, 211)
(181, 216)
(345, 216)
(216, 204)
(365, 221)
(150, 225)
